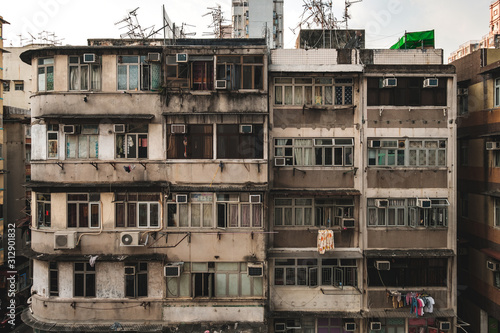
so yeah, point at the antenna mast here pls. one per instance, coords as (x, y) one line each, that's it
(217, 20)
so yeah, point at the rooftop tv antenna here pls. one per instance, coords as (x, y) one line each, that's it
(217, 20)
(347, 16)
(135, 31)
(317, 13)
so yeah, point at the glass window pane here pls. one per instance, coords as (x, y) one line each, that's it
(195, 215)
(258, 287)
(299, 218)
(133, 77)
(288, 216)
(122, 77)
(143, 214)
(278, 95)
(183, 215)
(220, 287)
(71, 142)
(245, 285)
(257, 216)
(245, 215)
(288, 95)
(207, 215)
(233, 284)
(308, 95)
(93, 146)
(328, 95)
(153, 215)
(299, 100)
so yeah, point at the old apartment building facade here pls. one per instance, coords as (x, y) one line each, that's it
(188, 188)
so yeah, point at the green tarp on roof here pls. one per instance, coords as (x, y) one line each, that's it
(415, 40)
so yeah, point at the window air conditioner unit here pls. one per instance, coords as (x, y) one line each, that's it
(349, 327)
(181, 198)
(64, 240)
(444, 325)
(173, 270)
(181, 57)
(220, 84)
(279, 327)
(255, 270)
(255, 198)
(129, 270)
(279, 161)
(348, 223)
(431, 83)
(89, 57)
(424, 203)
(292, 324)
(381, 203)
(373, 143)
(119, 128)
(491, 145)
(492, 265)
(69, 129)
(129, 238)
(390, 82)
(154, 56)
(178, 128)
(375, 326)
(246, 129)
(382, 265)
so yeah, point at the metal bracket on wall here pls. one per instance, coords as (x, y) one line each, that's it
(143, 165)
(94, 164)
(113, 164)
(61, 165)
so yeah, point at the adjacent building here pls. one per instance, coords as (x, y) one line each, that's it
(258, 19)
(488, 41)
(478, 76)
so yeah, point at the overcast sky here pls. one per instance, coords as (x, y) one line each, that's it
(454, 21)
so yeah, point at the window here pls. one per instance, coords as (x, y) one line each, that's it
(195, 143)
(19, 85)
(235, 210)
(417, 325)
(325, 212)
(6, 85)
(315, 272)
(203, 75)
(317, 152)
(84, 280)
(233, 144)
(53, 279)
(497, 212)
(135, 73)
(331, 325)
(45, 74)
(84, 76)
(134, 143)
(52, 140)
(408, 272)
(463, 101)
(407, 152)
(231, 214)
(464, 199)
(394, 325)
(177, 73)
(339, 272)
(84, 210)
(406, 212)
(497, 92)
(137, 210)
(241, 72)
(209, 279)
(496, 279)
(464, 153)
(136, 279)
(409, 92)
(313, 91)
(1, 151)
(43, 210)
(83, 145)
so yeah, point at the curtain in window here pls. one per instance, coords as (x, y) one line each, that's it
(122, 77)
(50, 78)
(257, 216)
(74, 83)
(84, 77)
(95, 78)
(303, 156)
(245, 215)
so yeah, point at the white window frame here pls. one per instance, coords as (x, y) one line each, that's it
(45, 64)
(288, 148)
(87, 133)
(91, 82)
(419, 147)
(297, 88)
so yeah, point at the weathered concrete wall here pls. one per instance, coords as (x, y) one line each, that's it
(194, 173)
(313, 177)
(214, 313)
(305, 238)
(328, 117)
(410, 117)
(410, 238)
(312, 299)
(407, 178)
